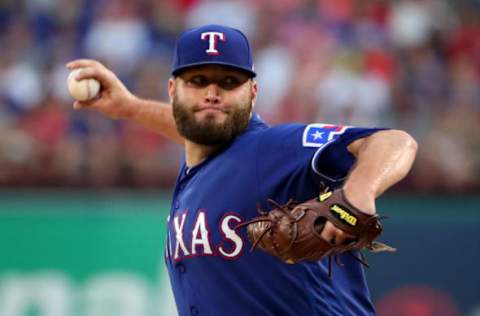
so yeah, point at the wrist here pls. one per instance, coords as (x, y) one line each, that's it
(361, 198)
(131, 107)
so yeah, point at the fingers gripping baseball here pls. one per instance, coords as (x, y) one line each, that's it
(93, 69)
(114, 98)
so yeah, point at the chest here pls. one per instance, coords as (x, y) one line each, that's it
(207, 204)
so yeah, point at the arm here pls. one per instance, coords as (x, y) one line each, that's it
(156, 116)
(117, 102)
(382, 159)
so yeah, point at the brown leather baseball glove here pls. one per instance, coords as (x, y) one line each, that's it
(291, 232)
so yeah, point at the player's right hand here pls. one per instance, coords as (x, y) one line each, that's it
(114, 99)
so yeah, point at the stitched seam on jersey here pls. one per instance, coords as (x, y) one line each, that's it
(323, 292)
(259, 193)
(307, 290)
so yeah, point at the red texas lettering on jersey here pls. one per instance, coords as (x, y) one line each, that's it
(197, 242)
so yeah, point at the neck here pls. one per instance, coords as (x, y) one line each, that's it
(196, 153)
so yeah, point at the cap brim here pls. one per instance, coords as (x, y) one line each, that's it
(178, 70)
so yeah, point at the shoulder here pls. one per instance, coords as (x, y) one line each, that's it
(281, 137)
(258, 129)
(314, 136)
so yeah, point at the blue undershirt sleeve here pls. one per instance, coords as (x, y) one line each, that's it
(332, 161)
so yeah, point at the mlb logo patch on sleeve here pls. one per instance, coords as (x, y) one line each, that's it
(317, 135)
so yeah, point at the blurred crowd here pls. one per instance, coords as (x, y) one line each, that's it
(409, 64)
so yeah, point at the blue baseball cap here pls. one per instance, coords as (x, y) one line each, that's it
(213, 44)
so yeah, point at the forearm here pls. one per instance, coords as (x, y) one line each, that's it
(383, 159)
(155, 116)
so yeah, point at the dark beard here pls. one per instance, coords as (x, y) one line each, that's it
(208, 132)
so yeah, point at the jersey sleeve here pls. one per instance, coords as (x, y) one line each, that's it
(332, 161)
(297, 155)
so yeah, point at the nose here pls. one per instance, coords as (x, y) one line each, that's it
(212, 94)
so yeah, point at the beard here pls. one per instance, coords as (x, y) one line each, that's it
(208, 132)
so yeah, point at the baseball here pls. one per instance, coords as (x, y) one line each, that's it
(82, 90)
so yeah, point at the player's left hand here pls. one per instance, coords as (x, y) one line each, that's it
(334, 235)
(325, 226)
(361, 201)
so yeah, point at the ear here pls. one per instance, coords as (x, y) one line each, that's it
(171, 88)
(254, 92)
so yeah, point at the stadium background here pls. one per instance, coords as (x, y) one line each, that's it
(83, 199)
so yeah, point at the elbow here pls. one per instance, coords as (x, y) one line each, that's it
(405, 150)
(402, 142)
(406, 145)
(407, 142)
(413, 145)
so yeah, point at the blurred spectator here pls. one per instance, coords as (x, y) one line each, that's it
(275, 68)
(118, 36)
(410, 64)
(350, 94)
(235, 13)
(411, 23)
(21, 85)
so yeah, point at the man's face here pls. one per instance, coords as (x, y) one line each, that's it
(212, 104)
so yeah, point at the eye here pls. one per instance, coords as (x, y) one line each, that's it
(230, 82)
(197, 81)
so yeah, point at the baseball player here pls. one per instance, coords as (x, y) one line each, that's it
(233, 162)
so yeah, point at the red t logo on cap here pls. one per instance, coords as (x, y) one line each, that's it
(213, 38)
